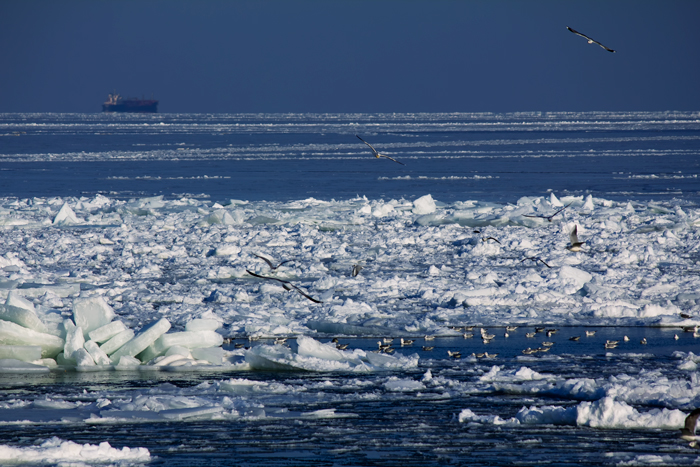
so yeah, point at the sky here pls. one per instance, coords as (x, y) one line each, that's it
(350, 55)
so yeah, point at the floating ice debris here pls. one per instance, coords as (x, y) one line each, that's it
(57, 451)
(313, 355)
(603, 413)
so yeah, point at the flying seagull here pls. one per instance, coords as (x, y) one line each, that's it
(575, 243)
(549, 218)
(536, 259)
(376, 154)
(269, 263)
(286, 284)
(590, 41)
(688, 432)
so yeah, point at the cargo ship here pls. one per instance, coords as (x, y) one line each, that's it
(116, 103)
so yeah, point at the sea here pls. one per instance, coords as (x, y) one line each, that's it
(505, 250)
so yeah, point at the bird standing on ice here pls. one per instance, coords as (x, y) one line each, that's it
(376, 154)
(590, 41)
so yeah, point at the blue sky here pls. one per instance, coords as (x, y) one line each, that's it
(350, 55)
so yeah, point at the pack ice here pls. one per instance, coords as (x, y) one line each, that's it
(98, 283)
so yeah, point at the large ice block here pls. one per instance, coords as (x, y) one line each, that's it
(188, 339)
(74, 341)
(214, 355)
(19, 310)
(26, 353)
(14, 334)
(11, 365)
(201, 324)
(91, 313)
(97, 353)
(144, 338)
(83, 358)
(117, 341)
(106, 332)
(66, 216)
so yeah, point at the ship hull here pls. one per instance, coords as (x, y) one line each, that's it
(134, 106)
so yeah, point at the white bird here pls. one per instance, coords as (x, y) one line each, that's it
(688, 431)
(269, 263)
(575, 242)
(286, 284)
(356, 270)
(549, 218)
(406, 341)
(376, 154)
(590, 41)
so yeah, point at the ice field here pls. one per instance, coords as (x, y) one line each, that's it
(183, 314)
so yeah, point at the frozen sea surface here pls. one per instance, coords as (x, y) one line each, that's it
(162, 216)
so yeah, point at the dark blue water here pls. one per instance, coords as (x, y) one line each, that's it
(385, 428)
(489, 157)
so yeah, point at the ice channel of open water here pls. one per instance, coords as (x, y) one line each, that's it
(377, 423)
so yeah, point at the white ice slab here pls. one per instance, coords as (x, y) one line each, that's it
(127, 363)
(203, 325)
(14, 334)
(106, 332)
(66, 216)
(96, 353)
(187, 339)
(19, 310)
(92, 313)
(117, 341)
(214, 355)
(141, 341)
(74, 341)
(26, 353)
(11, 365)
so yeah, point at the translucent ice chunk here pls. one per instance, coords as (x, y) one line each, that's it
(11, 365)
(20, 311)
(214, 355)
(96, 353)
(83, 358)
(26, 353)
(144, 338)
(187, 339)
(127, 363)
(74, 341)
(106, 332)
(66, 216)
(203, 325)
(14, 334)
(117, 341)
(92, 313)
